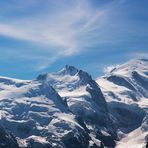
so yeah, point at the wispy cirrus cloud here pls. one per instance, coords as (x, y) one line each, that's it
(63, 28)
(58, 27)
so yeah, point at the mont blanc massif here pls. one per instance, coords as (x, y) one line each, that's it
(69, 109)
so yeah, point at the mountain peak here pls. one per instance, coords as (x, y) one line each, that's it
(70, 70)
(70, 67)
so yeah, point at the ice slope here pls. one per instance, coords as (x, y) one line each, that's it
(84, 99)
(35, 113)
(125, 88)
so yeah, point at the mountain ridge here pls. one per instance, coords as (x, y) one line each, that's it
(68, 109)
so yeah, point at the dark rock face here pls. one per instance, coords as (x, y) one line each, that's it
(107, 141)
(76, 142)
(140, 79)
(127, 115)
(120, 81)
(7, 140)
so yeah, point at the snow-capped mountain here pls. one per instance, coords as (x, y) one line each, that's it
(78, 89)
(125, 88)
(68, 109)
(84, 99)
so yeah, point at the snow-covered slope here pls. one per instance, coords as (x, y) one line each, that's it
(125, 88)
(35, 113)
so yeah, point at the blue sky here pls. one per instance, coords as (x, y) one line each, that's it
(39, 36)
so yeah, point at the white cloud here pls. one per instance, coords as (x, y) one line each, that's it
(59, 28)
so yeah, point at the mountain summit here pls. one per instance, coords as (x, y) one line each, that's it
(70, 70)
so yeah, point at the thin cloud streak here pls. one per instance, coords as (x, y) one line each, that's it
(60, 31)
